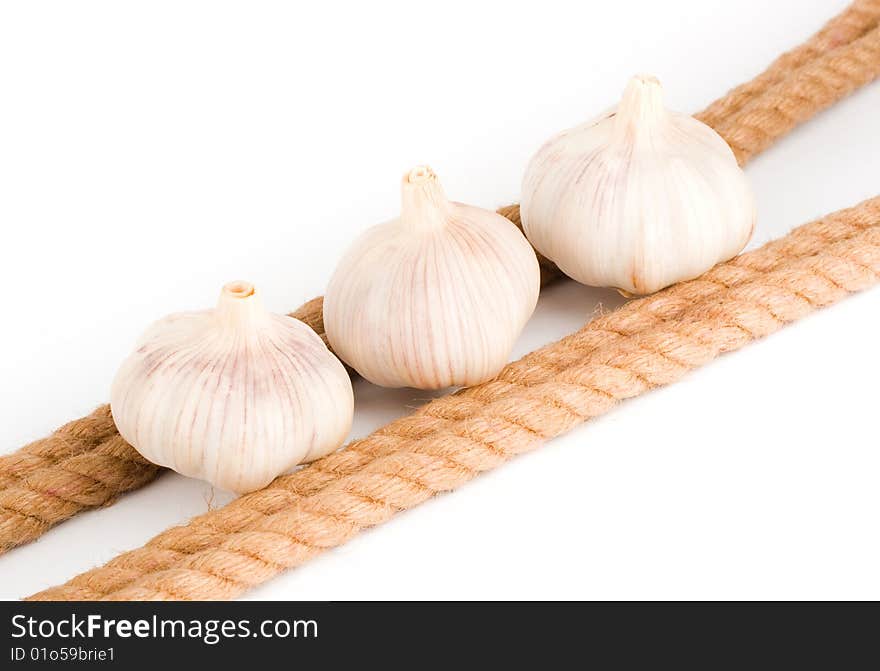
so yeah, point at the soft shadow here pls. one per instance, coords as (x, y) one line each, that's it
(563, 308)
(375, 406)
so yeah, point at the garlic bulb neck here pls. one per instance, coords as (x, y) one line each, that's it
(423, 206)
(641, 108)
(240, 307)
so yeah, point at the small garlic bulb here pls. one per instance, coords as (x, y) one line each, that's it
(434, 298)
(235, 395)
(637, 199)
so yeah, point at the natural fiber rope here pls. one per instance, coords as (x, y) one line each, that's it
(760, 303)
(55, 491)
(589, 343)
(857, 19)
(73, 438)
(817, 85)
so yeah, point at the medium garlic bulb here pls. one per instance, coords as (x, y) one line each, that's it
(637, 199)
(235, 395)
(434, 298)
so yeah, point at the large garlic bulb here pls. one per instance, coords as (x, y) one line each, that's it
(639, 198)
(434, 298)
(235, 395)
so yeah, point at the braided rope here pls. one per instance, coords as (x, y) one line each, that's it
(588, 344)
(762, 301)
(119, 468)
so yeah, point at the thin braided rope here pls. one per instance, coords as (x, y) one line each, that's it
(17, 526)
(450, 414)
(512, 425)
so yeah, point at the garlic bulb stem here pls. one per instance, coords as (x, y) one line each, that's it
(240, 306)
(641, 108)
(423, 205)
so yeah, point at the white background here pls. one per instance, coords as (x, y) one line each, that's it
(150, 152)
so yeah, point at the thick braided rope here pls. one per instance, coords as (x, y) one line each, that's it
(84, 480)
(88, 463)
(18, 525)
(73, 438)
(857, 19)
(515, 424)
(609, 331)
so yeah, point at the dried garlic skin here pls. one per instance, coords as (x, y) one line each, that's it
(235, 395)
(639, 198)
(435, 298)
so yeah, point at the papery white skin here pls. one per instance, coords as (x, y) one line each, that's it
(435, 298)
(639, 198)
(235, 395)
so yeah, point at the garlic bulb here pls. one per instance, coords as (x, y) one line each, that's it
(639, 198)
(434, 298)
(234, 395)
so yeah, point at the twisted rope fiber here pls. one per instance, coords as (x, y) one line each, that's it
(816, 86)
(852, 23)
(75, 437)
(513, 425)
(449, 413)
(18, 524)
